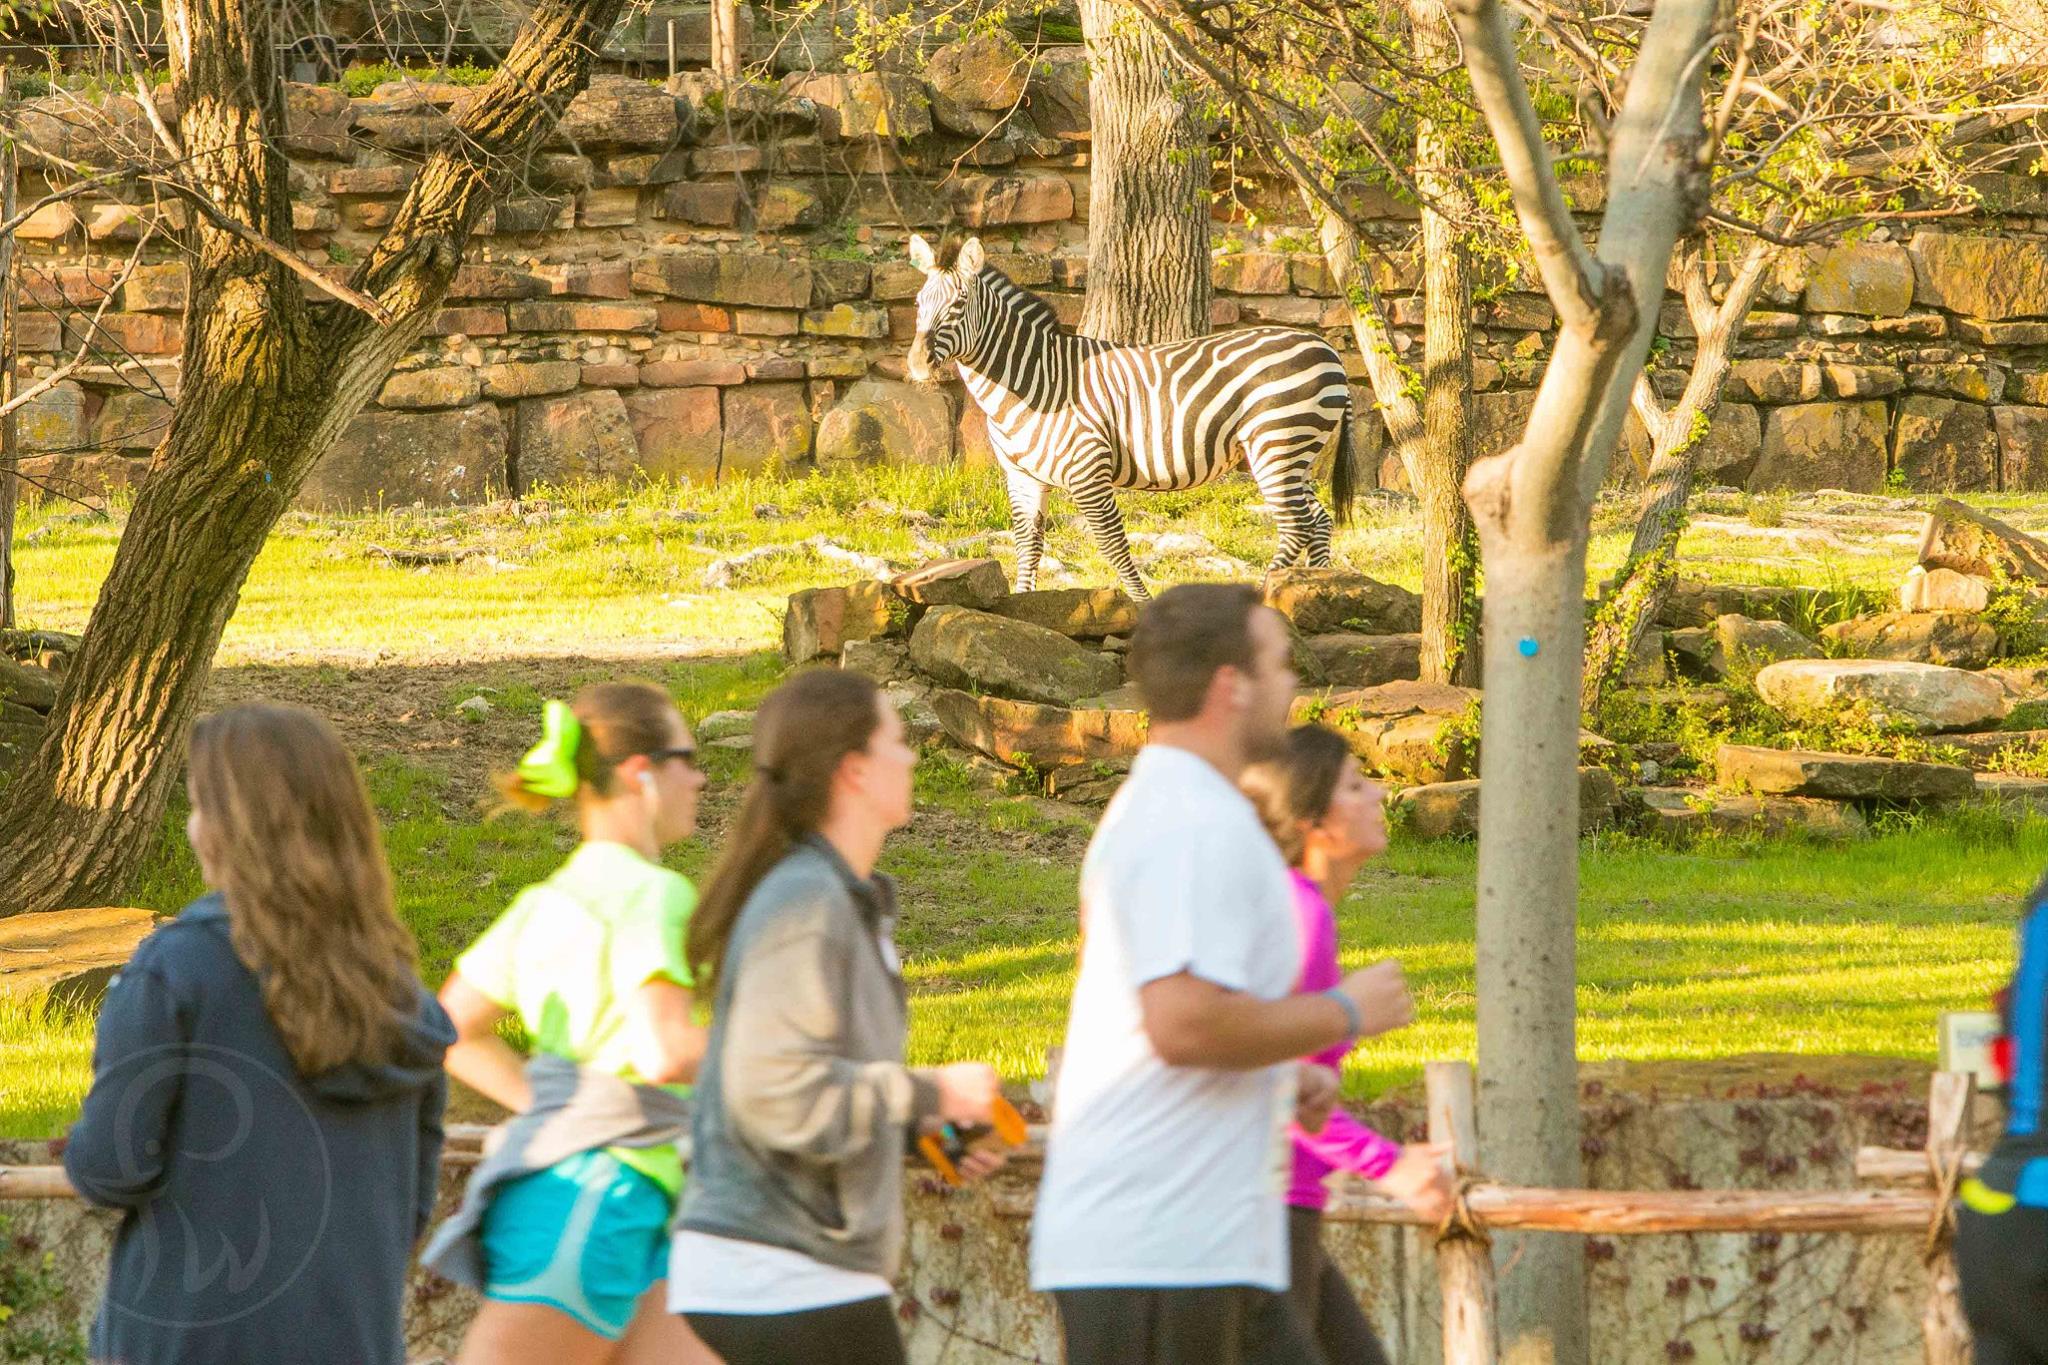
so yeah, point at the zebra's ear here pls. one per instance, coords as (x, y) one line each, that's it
(972, 258)
(921, 254)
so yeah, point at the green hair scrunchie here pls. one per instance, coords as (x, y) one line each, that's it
(549, 768)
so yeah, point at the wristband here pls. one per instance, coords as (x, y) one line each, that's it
(1354, 1016)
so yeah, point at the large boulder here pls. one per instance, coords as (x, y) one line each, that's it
(1981, 277)
(677, 431)
(1446, 810)
(767, 429)
(1677, 813)
(1347, 659)
(583, 435)
(977, 583)
(1958, 639)
(619, 113)
(855, 105)
(980, 651)
(1319, 601)
(1927, 697)
(1958, 536)
(1839, 777)
(1943, 590)
(987, 70)
(1740, 641)
(1871, 278)
(397, 458)
(820, 621)
(26, 685)
(1083, 613)
(1408, 730)
(1939, 444)
(1023, 733)
(64, 959)
(1824, 445)
(885, 421)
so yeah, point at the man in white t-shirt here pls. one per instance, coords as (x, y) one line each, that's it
(1161, 1223)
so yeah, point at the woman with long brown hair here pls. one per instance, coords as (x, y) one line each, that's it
(1329, 820)
(267, 1086)
(564, 1227)
(792, 1224)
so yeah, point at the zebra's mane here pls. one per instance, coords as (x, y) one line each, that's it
(1034, 308)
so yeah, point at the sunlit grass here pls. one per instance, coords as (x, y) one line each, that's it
(1723, 950)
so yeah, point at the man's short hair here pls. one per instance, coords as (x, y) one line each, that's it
(1183, 636)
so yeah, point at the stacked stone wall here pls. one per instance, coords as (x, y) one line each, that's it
(697, 281)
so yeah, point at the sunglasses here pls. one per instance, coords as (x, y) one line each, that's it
(684, 752)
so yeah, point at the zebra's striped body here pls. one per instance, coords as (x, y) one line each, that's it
(1070, 412)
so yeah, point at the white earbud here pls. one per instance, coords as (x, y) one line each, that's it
(647, 783)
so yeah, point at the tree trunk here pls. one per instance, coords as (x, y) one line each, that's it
(1643, 583)
(1148, 187)
(10, 422)
(1450, 546)
(1532, 504)
(269, 380)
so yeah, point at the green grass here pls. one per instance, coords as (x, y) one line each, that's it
(611, 573)
(1726, 949)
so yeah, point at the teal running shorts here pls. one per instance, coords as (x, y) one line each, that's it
(586, 1236)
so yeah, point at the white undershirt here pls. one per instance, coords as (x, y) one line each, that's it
(708, 1274)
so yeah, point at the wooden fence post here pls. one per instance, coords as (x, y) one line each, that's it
(1947, 1335)
(1464, 1263)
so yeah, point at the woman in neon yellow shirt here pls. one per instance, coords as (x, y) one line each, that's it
(567, 1222)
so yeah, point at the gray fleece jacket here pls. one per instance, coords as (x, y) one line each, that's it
(804, 1106)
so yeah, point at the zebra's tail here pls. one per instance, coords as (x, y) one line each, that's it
(1342, 475)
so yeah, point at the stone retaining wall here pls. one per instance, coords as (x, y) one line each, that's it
(964, 1296)
(697, 282)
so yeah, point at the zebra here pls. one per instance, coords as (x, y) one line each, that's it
(1072, 412)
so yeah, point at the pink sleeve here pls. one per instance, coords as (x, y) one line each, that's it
(1345, 1144)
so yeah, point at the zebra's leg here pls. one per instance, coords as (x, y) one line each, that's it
(1106, 524)
(1286, 481)
(1027, 525)
(1317, 553)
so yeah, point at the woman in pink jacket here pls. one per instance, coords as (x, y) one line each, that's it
(1329, 819)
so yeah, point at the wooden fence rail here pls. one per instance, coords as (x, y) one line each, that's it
(1465, 1264)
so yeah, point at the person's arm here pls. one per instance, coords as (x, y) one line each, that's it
(1196, 1022)
(667, 1042)
(1193, 1022)
(433, 1108)
(117, 1152)
(480, 1059)
(1345, 1144)
(787, 1085)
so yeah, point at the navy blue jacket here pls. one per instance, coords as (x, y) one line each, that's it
(268, 1217)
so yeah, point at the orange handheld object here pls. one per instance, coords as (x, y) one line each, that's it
(945, 1149)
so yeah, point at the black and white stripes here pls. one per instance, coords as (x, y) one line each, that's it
(1071, 412)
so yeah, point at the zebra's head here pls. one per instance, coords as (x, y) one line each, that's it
(945, 309)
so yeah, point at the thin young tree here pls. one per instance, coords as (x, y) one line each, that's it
(1533, 506)
(270, 378)
(1830, 120)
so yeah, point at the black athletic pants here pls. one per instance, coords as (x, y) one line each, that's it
(859, 1333)
(2003, 1261)
(1213, 1325)
(1322, 1297)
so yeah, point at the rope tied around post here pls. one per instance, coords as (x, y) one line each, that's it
(1460, 1221)
(1948, 1179)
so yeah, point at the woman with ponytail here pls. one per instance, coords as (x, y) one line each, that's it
(267, 1090)
(565, 1224)
(1329, 821)
(793, 1221)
